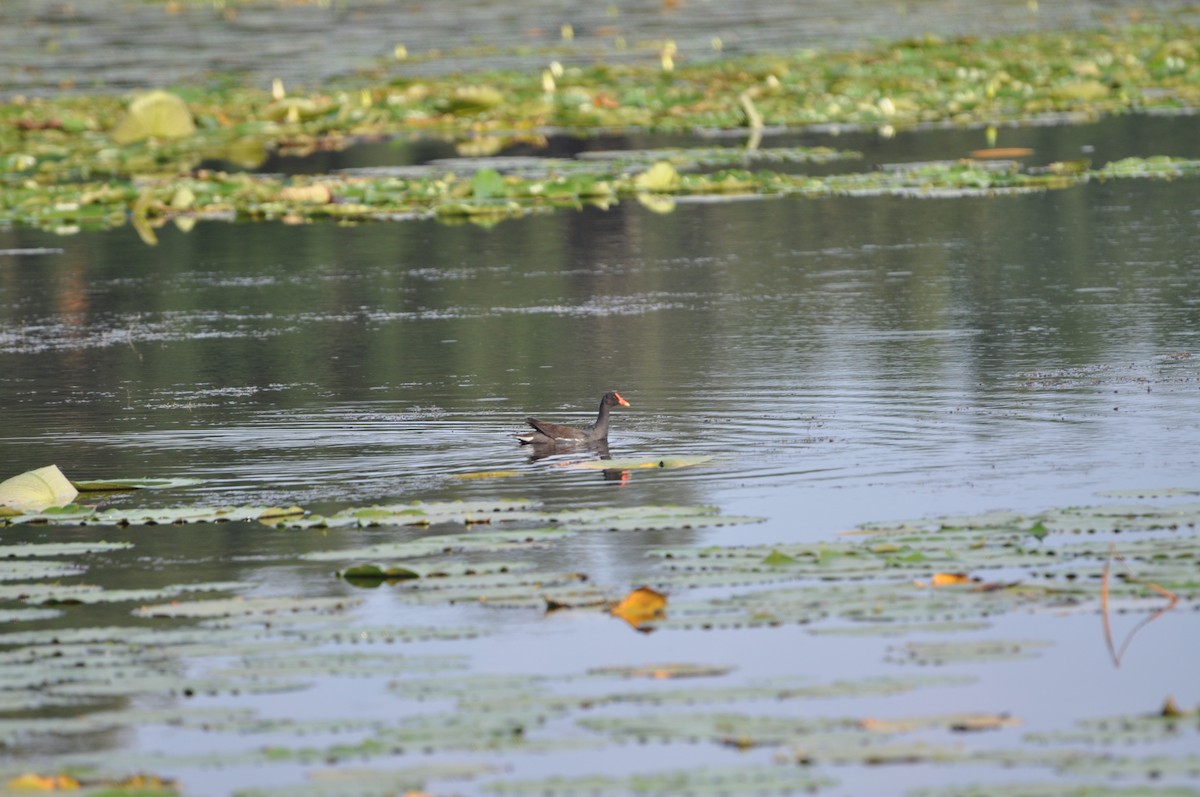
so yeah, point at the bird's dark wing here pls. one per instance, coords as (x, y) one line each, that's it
(556, 431)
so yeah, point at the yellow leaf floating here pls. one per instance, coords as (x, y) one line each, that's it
(275, 514)
(488, 474)
(317, 194)
(155, 114)
(632, 463)
(661, 178)
(641, 606)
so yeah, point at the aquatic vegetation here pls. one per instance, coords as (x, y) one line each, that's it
(88, 162)
(928, 579)
(449, 195)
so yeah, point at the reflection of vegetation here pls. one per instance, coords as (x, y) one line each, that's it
(62, 166)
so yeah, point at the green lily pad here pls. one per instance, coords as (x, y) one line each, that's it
(74, 595)
(27, 569)
(667, 671)
(699, 782)
(975, 651)
(374, 782)
(1056, 788)
(483, 542)
(27, 615)
(1151, 492)
(118, 485)
(357, 663)
(247, 606)
(32, 549)
(899, 629)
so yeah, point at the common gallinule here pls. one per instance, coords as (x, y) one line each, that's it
(546, 433)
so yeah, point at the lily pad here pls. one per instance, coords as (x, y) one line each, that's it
(346, 782)
(27, 569)
(973, 651)
(659, 672)
(638, 463)
(33, 549)
(247, 606)
(119, 485)
(699, 782)
(1056, 788)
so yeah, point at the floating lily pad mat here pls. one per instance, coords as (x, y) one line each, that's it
(706, 782)
(87, 160)
(1057, 789)
(390, 604)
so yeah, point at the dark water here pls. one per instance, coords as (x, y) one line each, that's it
(844, 360)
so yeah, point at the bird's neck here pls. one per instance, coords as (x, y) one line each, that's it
(602, 418)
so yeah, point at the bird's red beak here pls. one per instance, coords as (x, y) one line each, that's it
(620, 400)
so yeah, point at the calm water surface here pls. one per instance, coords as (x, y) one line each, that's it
(843, 360)
(46, 46)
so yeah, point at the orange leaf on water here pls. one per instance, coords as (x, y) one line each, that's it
(641, 606)
(1001, 152)
(31, 781)
(944, 580)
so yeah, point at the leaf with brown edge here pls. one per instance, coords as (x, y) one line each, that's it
(961, 723)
